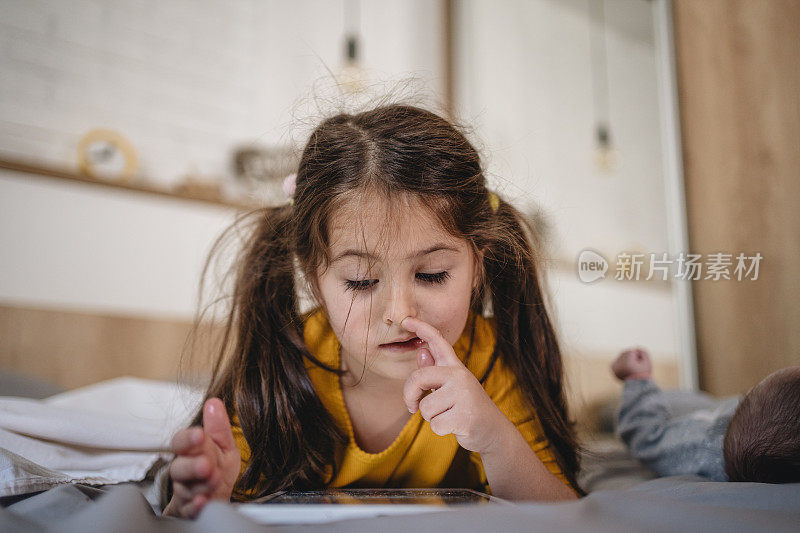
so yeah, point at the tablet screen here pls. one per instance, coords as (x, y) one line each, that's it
(321, 506)
(383, 496)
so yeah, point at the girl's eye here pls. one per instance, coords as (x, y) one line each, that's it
(360, 284)
(366, 284)
(437, 277)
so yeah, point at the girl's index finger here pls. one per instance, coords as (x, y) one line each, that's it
(443, 353)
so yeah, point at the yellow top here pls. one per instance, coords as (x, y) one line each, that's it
(417, 457)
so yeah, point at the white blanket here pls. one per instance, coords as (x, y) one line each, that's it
(110, 432)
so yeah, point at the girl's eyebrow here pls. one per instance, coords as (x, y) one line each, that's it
(367, 255)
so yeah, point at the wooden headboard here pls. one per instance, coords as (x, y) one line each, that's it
(72, 349)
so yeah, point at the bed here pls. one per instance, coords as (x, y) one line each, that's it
(115, 487)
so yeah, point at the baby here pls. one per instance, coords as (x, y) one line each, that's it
(755, 438)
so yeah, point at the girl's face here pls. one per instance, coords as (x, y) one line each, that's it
(391, 260)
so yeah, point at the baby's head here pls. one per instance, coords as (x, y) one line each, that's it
(762, 443)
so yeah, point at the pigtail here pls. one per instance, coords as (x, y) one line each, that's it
(264, 382)
(525, 335)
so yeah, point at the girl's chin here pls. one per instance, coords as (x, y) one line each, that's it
(384, 364)
(399, 368)
(394, 362)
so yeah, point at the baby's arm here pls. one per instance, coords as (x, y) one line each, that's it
(643, 416)
(643, 419)
(667, 445)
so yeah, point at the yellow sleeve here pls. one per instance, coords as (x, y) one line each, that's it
(241, 443)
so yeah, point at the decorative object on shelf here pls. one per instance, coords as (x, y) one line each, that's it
(260, 171)
(106, 154)
(201, 187)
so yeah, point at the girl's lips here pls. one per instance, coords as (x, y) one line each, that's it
(411, 344)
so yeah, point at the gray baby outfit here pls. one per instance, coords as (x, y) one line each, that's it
(675, 432)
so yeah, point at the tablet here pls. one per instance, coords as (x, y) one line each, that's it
(314, 507)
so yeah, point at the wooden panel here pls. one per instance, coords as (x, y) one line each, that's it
(73, 349)
(739, 94)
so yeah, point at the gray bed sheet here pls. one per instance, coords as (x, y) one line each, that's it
(624, 497)
(683, 503)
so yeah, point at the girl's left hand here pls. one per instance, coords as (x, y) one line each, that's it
(458, 403)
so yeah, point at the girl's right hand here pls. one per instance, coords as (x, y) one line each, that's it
(206, 463)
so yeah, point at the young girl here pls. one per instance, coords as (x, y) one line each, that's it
(397, 378)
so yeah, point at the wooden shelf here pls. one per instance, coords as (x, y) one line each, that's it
(48, 171)
(39, 169)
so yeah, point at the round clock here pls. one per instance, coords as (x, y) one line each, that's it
(106, 154)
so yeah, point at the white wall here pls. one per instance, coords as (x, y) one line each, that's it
(525, 82)
(185, 81)
(530, 99)
(92, 249)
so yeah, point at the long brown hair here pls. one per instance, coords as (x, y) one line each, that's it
(260, 371)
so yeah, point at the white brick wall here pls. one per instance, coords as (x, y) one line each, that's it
(185, 80)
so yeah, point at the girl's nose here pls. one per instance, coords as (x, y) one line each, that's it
(401, 304)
